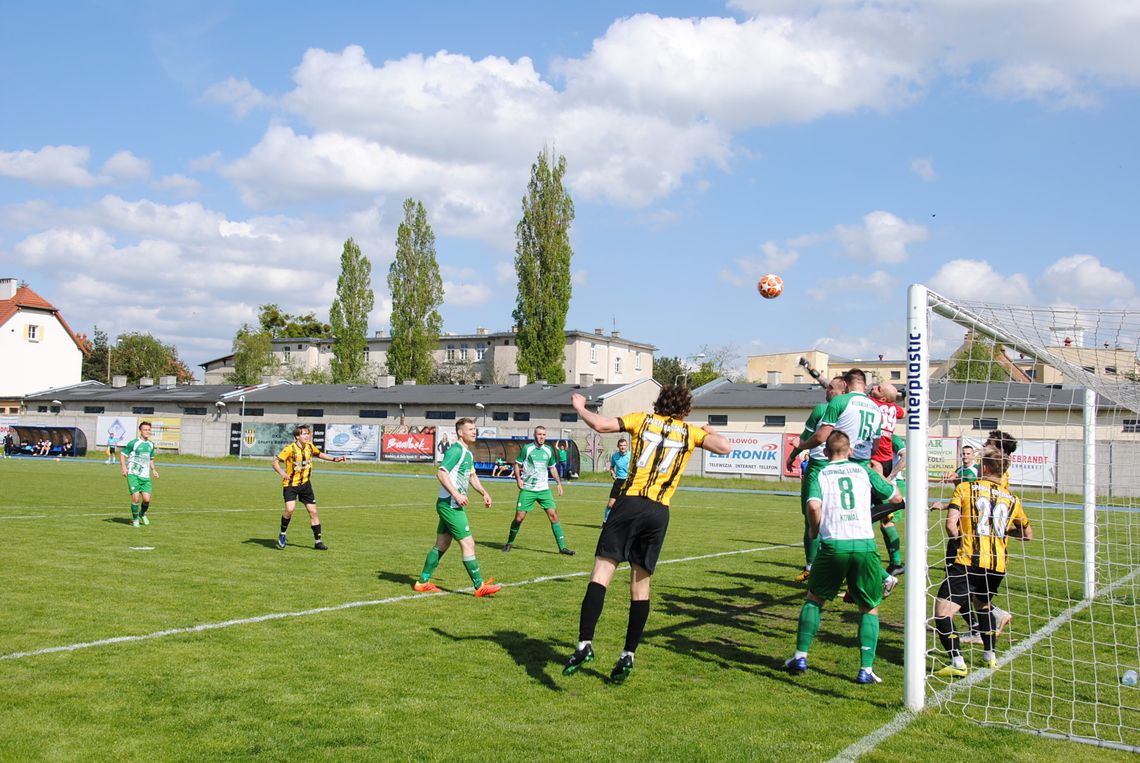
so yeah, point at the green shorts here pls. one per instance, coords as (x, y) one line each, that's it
(855, 563)
(138, 484)
(452, 521)
(528, 498)
(813, 466)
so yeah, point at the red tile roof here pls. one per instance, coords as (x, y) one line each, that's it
(25, 298)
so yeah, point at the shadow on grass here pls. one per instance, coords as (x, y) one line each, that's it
(119, 520)
(264, 542)
(531, 654)
(490, 544)
(400, 578)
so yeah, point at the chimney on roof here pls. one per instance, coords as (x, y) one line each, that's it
(8, 288)
(600, 332)
(516, 381)
(381, 333)
(585, 380)
(773, 378)
(480, 331)
(146, 381)
(118, 381)
(384, 382)
(615, 334)
(168, 381)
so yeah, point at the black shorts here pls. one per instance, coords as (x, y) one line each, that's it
(635, 532)
(615, 491)
(302, 493)
(964, 583)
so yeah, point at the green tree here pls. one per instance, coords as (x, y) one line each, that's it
(136, 355)
(282, 325)
(542, 262)
(253, 356)
(978, 360)
(95, 361)
(417, 293)
(349, 316)
(666, 370)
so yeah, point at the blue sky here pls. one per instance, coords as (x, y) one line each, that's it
(168, 167)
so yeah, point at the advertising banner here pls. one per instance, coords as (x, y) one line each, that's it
(117, 429)
(752, 454)
(356, 442)
(1034, 463)
(791, 440)
(267, 439)
(404, 443)
(941, 457)
(165, 432)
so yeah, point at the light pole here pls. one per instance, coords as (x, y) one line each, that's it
(241, 441)
(483, 408)
(692, 359)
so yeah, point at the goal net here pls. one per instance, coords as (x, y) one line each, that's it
(1065, 383)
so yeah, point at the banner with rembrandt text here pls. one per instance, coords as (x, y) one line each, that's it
(751, 454)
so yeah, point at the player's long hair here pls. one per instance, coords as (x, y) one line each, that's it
(1003, 441)
(675, 401)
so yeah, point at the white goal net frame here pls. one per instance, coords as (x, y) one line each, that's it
(1073, 589)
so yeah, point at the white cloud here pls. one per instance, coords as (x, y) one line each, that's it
(874, 287)
(178, 184)
(1083, 280)
(882, 237)
(923, 166)
(580, 278)
(124, 165)
(773, 259)
(466, 294)
(242, 96)
(977, 281)
(505, 273)
(51, 165)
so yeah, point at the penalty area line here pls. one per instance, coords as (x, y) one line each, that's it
(202, 628)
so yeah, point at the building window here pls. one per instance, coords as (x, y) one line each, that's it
(1132, 425)
(450, 354)
(986, 424)
(310, 413)
(637, 361)
(367, 355)
(568, 417)
(32, 333)
(521, 415)
(447, 415)
(41, 409)
(94, 409)
(774, 421)
(143, 410)
(500, 416)
(286, 354)
(593, 353)
(617, 366)
(373, 413)
(480, 351)
(718, 419)
(1110, 370)
(254, 411)
(896, 375)
(192, 411)
(463, 352)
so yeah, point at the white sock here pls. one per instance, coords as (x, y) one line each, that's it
(583, 644)
(988, 656)
(799, 654)
(958, 662)
(624, 653)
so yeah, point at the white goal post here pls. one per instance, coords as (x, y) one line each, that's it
(1065, 382)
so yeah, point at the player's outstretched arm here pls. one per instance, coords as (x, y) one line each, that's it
(597, 422)
(715, 442)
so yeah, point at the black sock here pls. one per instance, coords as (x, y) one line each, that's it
(592, 605)
(316, 532)
(638, 614)
(947, 636)
(285, 523)
(986, 627)
(143, 507)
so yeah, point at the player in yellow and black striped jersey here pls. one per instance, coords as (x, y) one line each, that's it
(660, 445)
(295, 465)
(983, 517)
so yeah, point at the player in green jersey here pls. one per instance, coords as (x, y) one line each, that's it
(137, 460)
(536, 464)
(840, 497)
(456, 472)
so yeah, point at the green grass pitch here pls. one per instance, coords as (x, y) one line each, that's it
(312, 655)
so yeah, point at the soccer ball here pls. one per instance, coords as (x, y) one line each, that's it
(770, 286)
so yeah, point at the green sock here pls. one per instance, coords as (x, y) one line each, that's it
(868, 639)
(559, 538)
(883, 574)
(809, 624)
(894, 544)
(515, 525)
(134, 511)
(430, 564)
(472, 566)
(811, 546)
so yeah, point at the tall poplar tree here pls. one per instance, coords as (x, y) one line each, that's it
(349, 316)
(417, 293)
(542, 262)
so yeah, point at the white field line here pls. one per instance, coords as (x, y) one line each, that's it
(904, 718)
(336, 608)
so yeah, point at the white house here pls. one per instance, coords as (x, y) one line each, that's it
(38, 350)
